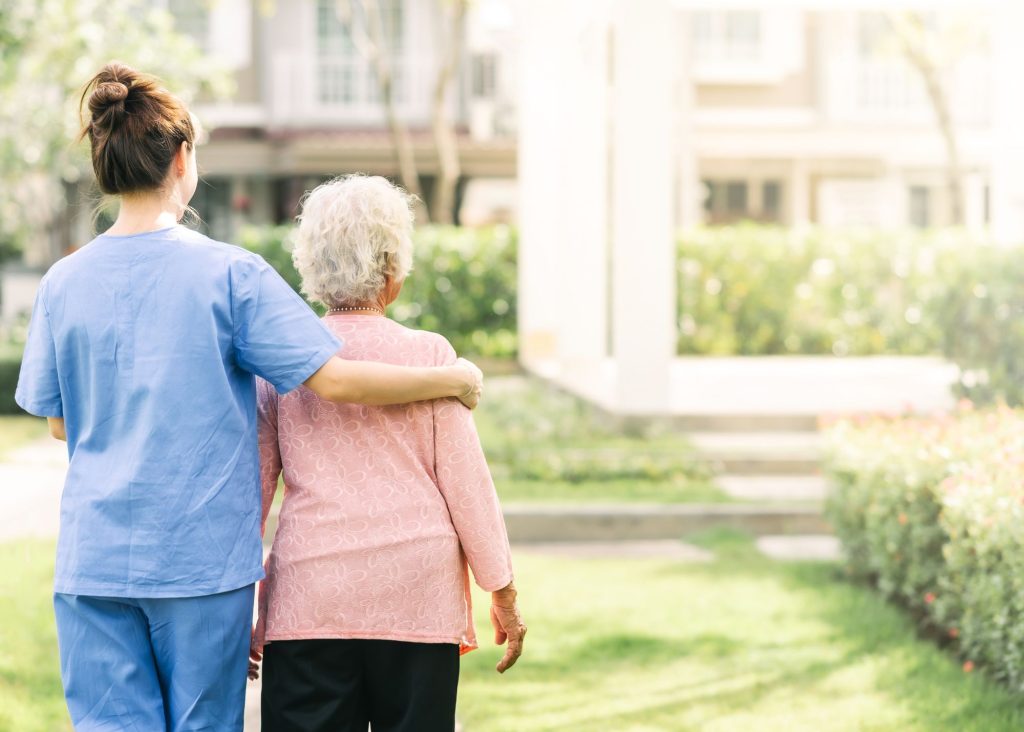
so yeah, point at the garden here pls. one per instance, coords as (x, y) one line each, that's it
(921, 627)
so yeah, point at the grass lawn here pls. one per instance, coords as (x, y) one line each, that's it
(609, 491)
(31, 699)
(738, 645)
(15, 430)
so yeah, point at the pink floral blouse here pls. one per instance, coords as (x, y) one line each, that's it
(383, 506)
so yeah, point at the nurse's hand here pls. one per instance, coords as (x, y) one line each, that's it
(474, 383)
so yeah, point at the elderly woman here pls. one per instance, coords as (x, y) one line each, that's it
(366, 606)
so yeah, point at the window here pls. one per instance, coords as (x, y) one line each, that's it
(920, 209)
(727, 35)
(484, 76)
(212, 200)
(873, 34)
(771, 200)
(192, 19)
(736, 198)
(344, 76)
(726, 201)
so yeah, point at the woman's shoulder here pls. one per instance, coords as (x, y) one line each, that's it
(433, 345)
(229, 253)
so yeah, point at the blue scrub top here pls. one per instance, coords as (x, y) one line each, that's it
(147, 345)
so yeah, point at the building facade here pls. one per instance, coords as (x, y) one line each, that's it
(800, 116)
(308, 105)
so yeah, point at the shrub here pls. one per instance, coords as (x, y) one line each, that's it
(463, 283)
(761, 290)
(980, 306)
(533, 431)
(932, 511)
(10, 365)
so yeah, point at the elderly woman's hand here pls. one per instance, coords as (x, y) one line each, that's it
(474, 383)
(508, 625)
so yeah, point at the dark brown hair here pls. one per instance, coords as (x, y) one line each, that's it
(135, 127)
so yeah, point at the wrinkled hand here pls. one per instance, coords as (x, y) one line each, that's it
(508, 625)
(476, 383)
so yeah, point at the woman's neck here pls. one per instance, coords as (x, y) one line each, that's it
(141, 213)
(369, 307)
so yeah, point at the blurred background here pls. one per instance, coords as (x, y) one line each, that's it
(693, 244)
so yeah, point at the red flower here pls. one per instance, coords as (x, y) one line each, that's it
(929, 598)
(954, 632)
(968, 666)
(902, 518)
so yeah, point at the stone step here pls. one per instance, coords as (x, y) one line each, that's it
(773, 488)
(740, 422)
(614, 522)
(810, 547)
(760, 453)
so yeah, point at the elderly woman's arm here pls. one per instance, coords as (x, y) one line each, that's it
(365, 382)
(465, 482)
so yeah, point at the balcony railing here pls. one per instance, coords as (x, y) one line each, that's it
(890, 90)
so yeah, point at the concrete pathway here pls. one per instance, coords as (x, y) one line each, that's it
(813, 547)
(779, 385)
(769, 488)
(667, 549)
(31, 481)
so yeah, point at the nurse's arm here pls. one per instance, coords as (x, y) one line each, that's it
(56, 425)
(376, 384)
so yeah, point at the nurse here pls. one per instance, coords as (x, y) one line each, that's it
(142, 352)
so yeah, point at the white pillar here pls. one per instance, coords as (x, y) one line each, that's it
(690, 191)
(583, 238)
(1007, 123)
(892, 200)
(643, 252)
(542, 181)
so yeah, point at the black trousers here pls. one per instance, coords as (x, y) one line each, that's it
(336, 685)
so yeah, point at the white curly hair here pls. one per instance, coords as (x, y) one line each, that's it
(353, 231)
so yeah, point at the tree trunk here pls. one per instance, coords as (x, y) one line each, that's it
(373, 46)
(940, 105)
(442, 205)
(911, 32)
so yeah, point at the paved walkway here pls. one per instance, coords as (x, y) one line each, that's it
(31, 481)
(774, 385)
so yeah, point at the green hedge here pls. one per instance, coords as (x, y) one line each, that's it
(759, 290)
(932, 512)
(10, 365)
(463, 283)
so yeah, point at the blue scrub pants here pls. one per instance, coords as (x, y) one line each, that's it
(148, 665)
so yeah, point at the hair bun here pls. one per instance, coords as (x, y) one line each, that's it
(108, 95)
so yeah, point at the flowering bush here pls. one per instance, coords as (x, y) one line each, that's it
(932, 511)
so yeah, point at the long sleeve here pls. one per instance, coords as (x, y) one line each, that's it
(270, 450)
(465, 482)
(270, 471)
